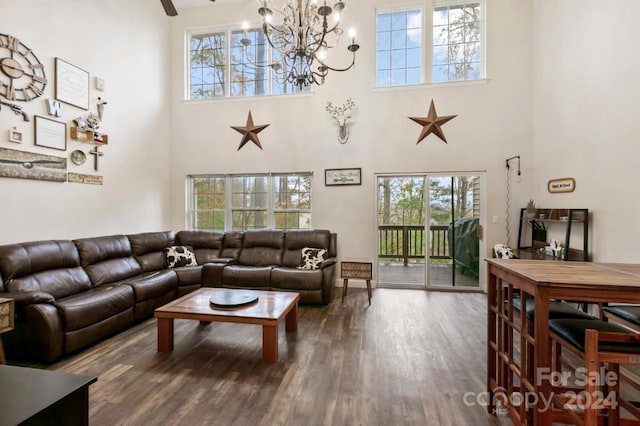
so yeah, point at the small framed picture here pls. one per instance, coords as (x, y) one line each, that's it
(50, 133)
(15, 136)
(334, 177)
(72, 84)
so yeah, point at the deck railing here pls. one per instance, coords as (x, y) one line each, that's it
(408, 242)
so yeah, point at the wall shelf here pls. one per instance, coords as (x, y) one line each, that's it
(88, 136)
(537, 226)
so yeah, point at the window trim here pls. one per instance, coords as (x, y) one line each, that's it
(227, 30)
(483, 35)
(394, 9)
(427, 8)
(228, 210)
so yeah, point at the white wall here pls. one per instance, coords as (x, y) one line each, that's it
(586, 66)
(494, 122)
(126, 43)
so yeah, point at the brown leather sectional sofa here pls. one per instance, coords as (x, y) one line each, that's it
(70, 294)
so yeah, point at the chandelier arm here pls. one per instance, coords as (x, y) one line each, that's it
(353, 62)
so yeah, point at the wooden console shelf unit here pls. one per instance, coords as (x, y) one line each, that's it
(87, 136)
(538, 226)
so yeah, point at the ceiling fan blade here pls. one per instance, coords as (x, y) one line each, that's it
(169, 8)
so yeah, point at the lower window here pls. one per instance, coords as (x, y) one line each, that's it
(242, 202)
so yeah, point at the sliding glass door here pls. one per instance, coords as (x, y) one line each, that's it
(429, 230)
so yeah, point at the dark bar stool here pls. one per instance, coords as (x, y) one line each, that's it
(596, 343)
(629, 314)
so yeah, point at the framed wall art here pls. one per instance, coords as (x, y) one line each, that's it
(72, 84)
(50, 133)
(30, 165)
(334, 177)
(15, 136)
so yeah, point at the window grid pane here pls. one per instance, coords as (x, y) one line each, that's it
(212, 69)
(207, 60)
(292, 201)
(208, 204)
(398, 48)
(457, 44)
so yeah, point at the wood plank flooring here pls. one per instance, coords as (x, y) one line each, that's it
(408, 359)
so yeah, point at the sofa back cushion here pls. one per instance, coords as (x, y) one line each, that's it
(232, 244)
(296, 240)
(148, 249)
(50, 266)
(206, 245)
(262, 248)
(107, 259)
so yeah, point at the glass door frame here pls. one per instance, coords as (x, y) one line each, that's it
(427, 199)
(481, 243)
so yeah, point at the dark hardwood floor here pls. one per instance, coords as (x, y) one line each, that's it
(409, 359)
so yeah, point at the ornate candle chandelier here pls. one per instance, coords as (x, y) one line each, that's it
(304, 31)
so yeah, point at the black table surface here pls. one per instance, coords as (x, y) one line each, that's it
(24, 392)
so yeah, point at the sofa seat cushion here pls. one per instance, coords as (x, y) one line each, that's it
(188, 275)
(246, 276)
(95, 305)
(151, 285)
(294, 279)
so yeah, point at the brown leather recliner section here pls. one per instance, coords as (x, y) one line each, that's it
(70, 294)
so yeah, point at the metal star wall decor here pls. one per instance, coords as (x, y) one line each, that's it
(250, 132)
(431, 124)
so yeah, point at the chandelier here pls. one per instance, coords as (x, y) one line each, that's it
(300, 39)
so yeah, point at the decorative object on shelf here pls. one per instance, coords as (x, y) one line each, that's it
(96, 154)
(101, 105)
(341, 115)
(555, 186)
(531, 208)
(15, 135)
(29, 165)
(87, 130)
(432, 123)
(54, 107)
(250, 132)
(50, 133)
(17, 109)
(301, 37)
(22, 75)
(88, 136)
(78, 157)
(334, 177)
(533, 234)
(84, 178)
(72, 84)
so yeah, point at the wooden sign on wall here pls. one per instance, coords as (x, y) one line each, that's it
(83, 178)
(561, 185)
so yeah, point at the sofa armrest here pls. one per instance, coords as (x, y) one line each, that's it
(212, 274)
(328, 262)
(29, 297)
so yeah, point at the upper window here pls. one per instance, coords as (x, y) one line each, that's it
(221, 66)
(399, 48)
(457, 42)
(208, 56)
(456, 52)
(241, 202)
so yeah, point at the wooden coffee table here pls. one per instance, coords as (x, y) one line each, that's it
(268, 311)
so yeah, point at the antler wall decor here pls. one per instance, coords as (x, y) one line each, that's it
(341, 114)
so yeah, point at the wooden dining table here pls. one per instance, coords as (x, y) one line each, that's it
(522, 365)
